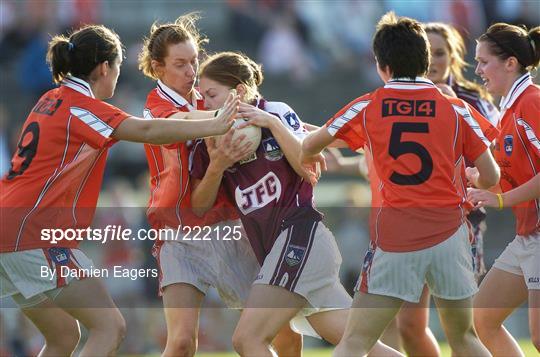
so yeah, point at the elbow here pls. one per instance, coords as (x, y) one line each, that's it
(489, 180)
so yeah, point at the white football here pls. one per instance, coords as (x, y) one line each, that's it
(252, 133)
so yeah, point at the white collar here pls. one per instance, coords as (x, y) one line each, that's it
(518, 87)
(78, 85)
(408, 83)
(172, 96)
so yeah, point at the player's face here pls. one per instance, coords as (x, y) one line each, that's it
(108, 85)
(439, 68)
(214, 93)
(491, 69)
(180, 67)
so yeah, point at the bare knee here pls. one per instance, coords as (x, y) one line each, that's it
(110, 328)
(482, 322)
(64, 342)
(244, 340)
(288, 343)
(182, 344)
(410, 329)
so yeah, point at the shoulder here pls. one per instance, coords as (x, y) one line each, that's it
(529, 100)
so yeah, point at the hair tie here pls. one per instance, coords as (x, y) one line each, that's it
(71, 47)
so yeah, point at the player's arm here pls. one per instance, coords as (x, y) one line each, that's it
(337, 143)
(223, 155)
(288, 142)
(486, 173)
(313, 144)
(194, 115)
(530, 190)
(168, 131)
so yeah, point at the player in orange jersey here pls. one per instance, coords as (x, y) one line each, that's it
(54, 183)
(506, 54)
(446, 71)
(418, 138)
(188, 268)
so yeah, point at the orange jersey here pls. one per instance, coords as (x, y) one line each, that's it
(56, 173)
(418, 139)
(170, 193)
(517, 148)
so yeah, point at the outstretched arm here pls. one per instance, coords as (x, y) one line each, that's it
(168, 131)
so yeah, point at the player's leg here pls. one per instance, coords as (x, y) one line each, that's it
(457, 322)
(60, 330)
(413, 324)
(534, 317)
(500, 294)
(288, 343)
(181, 305)
(368, 317)
(268, 309)
(330, 325)
(391, 336)
(88, 301)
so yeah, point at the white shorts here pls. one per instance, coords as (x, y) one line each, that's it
(31, 276)
(446, 268)
(307, 265)
(522, 257)
(228, 265)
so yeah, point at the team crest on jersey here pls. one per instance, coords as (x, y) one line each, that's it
(292, 119)
(294, 255)
(272, 151)
(59, 255)
(508, 144)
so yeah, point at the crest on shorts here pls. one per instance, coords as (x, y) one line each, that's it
(368, 258)
(59, 255)
(508, 144)
(272, 151)
(294, 255)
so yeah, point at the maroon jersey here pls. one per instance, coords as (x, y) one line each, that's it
(268, 193)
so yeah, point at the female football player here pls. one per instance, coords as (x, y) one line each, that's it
(188, 266)
(446, 71)
(506, 54)
(54, 183)
(274, 198)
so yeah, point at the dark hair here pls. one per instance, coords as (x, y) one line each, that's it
(82, 51)
(457, 51)
(156, 45)
(232, 69)
(507, 40)
(402, 45)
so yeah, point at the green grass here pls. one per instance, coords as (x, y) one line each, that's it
(526, 345)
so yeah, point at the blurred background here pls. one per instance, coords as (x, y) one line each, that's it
(316, 56)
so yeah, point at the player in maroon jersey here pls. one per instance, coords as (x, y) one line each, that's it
(299, 257)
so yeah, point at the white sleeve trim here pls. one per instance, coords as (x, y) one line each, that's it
(469, 119)
(92, 121)
(343, 119)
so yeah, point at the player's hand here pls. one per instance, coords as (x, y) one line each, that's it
(333, 157)
(482, 198)
(227, 114)
(225, 152)
(472, 175)
(255, 116)
(313, 165)
(446, 89)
